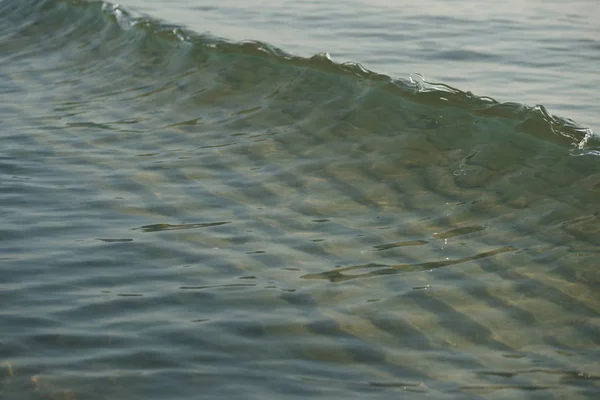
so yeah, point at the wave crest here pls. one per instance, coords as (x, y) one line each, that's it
(77, 16)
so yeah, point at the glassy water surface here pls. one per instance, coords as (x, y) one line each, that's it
(186, 216)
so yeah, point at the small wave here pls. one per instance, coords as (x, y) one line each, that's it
(121, 32)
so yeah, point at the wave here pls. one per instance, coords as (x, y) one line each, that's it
(30, 27)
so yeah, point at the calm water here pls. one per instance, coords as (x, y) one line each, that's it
(185, 216)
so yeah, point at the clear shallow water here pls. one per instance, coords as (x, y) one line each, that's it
(185, 216)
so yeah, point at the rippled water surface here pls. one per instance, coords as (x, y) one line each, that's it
(185, 216)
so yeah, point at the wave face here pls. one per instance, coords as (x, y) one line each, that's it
(184, 215)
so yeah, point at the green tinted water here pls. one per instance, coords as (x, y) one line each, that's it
(533, 52)
(186, 217)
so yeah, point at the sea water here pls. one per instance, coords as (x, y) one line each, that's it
(219, 201)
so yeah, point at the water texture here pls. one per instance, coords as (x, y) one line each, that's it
(188, 217)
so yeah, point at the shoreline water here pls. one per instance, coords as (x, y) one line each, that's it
(184, 214)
